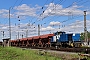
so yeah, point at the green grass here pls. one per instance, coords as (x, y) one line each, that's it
(12, 53)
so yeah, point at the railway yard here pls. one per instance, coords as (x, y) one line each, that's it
(45, 30)
(59, 43)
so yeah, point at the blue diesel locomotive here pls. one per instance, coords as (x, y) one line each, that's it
(63, 39)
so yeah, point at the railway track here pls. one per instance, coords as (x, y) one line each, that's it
(79, 50)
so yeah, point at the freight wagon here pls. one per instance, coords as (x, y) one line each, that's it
(58, 39)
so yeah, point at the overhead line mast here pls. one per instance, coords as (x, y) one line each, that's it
(85, 28)
(38, 29)
(9, 28)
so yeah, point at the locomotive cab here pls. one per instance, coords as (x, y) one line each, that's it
(55, 38)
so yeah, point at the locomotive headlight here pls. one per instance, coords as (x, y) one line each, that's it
(80, 35)
(73, 34)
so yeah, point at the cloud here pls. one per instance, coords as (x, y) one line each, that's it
(49, 28)
(76, 27)
(4, 27)
(4, 13)
(26, 10)
(57, 9)
(23, 11)
(53, 23)
(22, 30)
(52, 9)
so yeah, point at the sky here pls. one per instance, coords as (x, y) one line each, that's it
(50, 15)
